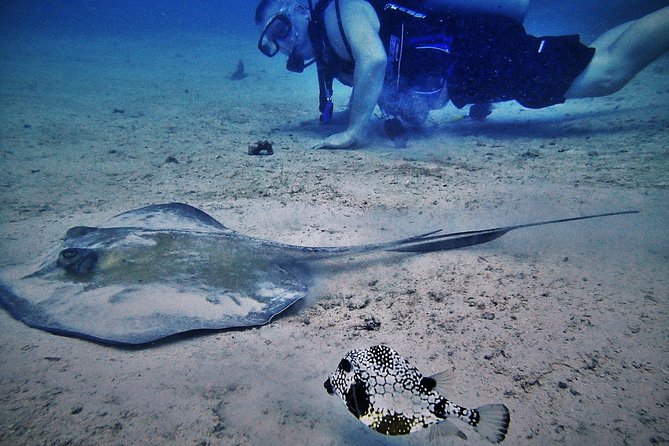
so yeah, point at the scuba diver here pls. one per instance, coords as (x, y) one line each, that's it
(413, 56)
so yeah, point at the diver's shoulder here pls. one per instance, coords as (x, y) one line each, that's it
(354, 5)
(359, 9)
(351, 11)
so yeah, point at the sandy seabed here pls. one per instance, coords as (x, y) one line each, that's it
(567, 325)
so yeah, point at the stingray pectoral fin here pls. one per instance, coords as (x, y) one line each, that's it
(168, 216)
(140, 315)
(79, 231)
(17, 306)
(33, 316)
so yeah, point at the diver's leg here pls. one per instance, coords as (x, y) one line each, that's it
(621, 53)
(515, 9)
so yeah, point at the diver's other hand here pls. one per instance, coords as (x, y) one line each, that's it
(343, 140)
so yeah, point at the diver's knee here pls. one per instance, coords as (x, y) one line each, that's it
(592, 87)
(603, 76)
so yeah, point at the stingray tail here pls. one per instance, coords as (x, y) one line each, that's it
(441, 242)
(437, 241)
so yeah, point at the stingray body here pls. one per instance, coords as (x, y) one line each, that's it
(165, 269)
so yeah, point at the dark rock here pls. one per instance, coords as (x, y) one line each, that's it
(371, 324)
(260, 147)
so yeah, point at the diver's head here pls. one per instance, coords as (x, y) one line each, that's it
(283, 26)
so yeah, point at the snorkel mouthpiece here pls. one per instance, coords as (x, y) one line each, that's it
(295, 62)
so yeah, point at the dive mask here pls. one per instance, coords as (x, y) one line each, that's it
(277, 28)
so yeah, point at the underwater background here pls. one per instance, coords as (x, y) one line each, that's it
(236, 17)
(107, 106)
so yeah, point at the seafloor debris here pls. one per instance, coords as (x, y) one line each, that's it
(261, 146)
(396, 131)
(371, 324)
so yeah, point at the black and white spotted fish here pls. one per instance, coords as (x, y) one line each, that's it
(391, 396)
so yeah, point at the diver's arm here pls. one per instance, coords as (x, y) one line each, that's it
(361, 26)
(515, 9)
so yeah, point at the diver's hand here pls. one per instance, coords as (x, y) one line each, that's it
(343, 140)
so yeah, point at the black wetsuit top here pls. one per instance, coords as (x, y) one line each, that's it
(481, 58)
(318, 35)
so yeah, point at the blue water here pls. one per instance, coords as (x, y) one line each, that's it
(589, 18)
(126, 16)
(231, 16)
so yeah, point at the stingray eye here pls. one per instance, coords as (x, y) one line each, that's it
(77, 260)
(69, 253)
(345, 365)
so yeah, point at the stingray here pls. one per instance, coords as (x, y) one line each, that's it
(165, 269)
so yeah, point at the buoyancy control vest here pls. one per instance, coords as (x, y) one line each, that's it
(418, 54)
(479, 58)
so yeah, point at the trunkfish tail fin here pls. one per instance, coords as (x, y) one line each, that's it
(493, 423)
